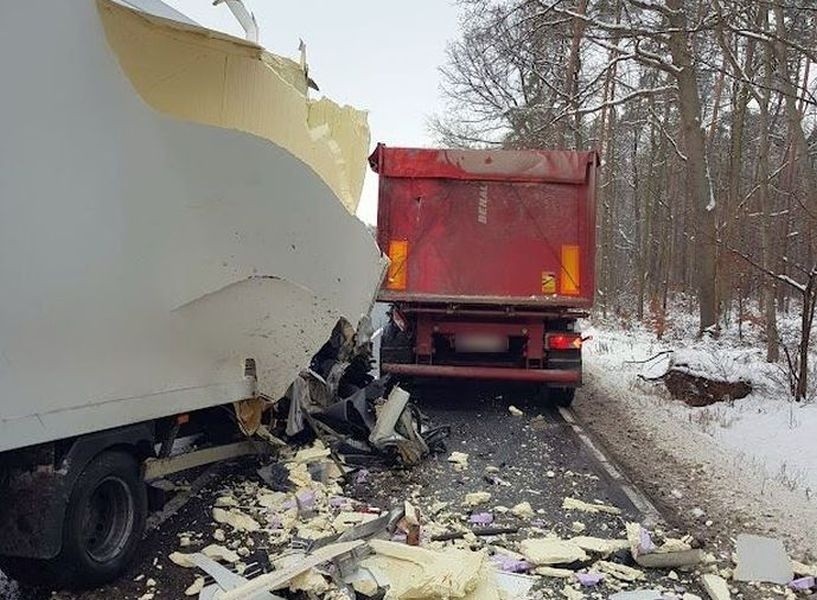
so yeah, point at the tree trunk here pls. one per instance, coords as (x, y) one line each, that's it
(699, 187)
(806, 323)
(572, 72)
(769, 288)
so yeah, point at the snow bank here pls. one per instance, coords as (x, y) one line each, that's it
(766, 430)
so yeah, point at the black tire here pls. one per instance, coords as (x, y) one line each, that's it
(104, 523)
(562, 396)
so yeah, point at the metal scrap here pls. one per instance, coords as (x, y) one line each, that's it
(360, 419)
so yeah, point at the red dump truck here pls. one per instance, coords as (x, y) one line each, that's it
(492, 263)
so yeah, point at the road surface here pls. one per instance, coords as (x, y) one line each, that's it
(537, 457)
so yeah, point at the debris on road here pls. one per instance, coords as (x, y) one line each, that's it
(716, 587)
(412, 572)
(803, 570)
(762, 559)
(575, 504)
(803, 584)
(515, 412)
(523, 510)
(590, 579)
(476, 498)
(619, 571)
(195, 588)
(600, 546)
(358, 432)
(638, 595)
(365, 421)
(672, 553)
(551, 551)
(459, 460)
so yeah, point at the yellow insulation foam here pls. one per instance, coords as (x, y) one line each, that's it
(200, 75)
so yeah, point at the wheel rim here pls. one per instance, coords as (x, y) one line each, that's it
(109, 519)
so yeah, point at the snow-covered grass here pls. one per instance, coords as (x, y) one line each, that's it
(767, 430)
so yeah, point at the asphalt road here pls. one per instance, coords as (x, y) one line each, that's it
(541, 460)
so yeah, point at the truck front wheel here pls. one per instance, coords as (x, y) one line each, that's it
(105, 519)
(104, 523)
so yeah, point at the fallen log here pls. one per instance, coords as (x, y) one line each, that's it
(698, 391)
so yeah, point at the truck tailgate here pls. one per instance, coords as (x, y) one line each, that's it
(504, 227)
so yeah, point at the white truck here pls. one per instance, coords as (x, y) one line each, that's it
(169, 245)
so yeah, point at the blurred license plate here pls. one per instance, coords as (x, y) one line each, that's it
(480, 342)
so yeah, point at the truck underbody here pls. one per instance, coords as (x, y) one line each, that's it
(486, 342)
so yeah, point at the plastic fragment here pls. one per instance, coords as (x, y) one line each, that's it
(589, 579)
(483, 518)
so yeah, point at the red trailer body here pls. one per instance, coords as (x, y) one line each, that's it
(493, 258)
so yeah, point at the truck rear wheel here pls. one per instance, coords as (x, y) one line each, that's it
(562, 396)
(104, 523)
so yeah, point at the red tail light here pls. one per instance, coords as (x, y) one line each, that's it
(563, 341)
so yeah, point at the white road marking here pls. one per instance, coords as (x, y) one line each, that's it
(638, 498)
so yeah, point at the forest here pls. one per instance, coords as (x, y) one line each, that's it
(703, 113)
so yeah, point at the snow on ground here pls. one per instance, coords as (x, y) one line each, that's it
(766, 431)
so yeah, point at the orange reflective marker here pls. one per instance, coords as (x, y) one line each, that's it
(570, 280)
(398, 255)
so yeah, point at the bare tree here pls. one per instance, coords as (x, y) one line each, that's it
(706, 119)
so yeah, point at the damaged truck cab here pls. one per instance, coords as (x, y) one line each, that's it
(171, 196)
(492, 263)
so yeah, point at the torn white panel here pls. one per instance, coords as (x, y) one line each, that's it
(143, 258)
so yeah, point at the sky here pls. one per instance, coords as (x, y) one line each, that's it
(381, 56)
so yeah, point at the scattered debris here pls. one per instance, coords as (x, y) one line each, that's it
(484, 518)
(554, 572)
(716, 587)
(235, 519)
(412, 572)
(515, 411)
(620, 572)
(575, 504)
(410, 524)
(459, 460)
(281, 577)
(762, 559)
(221, 553)
(803, 584)
(486, 531)
(324, 543)
(195, 587)
(638, 595)
(551, 551)
(523, 510)
(572, 593)
(589, 579)
(476, 498)
(599, 545)
(538, 423)
(510, 564)
(803, 570)
(672, 553)
(360, 418)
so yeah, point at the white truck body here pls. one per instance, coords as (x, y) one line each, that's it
(144, 258)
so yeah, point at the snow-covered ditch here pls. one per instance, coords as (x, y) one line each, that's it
(766, 431)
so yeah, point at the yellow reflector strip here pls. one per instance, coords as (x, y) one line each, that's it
(570, 275)
(398, 254)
